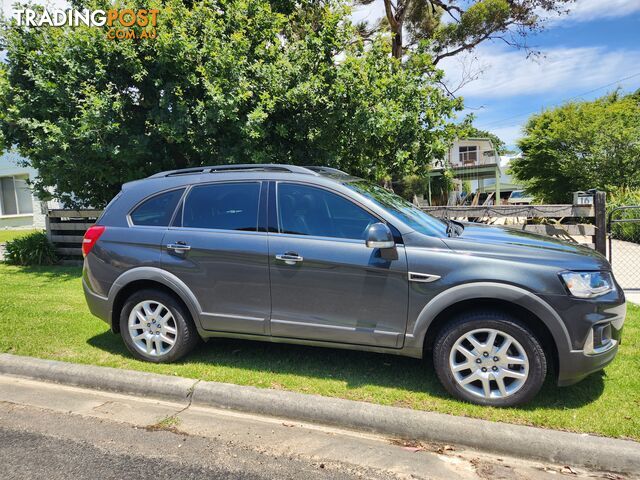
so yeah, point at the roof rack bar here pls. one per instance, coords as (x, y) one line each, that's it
(325, 169)
(248, 166)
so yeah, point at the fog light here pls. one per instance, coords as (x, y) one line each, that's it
(601, 336)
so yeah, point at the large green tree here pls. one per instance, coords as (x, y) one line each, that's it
(456, 26)
(229, 81)
(582, 145)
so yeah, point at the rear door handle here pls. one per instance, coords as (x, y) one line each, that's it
(289, 258)
(179, 247)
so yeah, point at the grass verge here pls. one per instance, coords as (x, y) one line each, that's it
(43, 314)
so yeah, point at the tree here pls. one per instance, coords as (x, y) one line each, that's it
(235, 82)
(468, 23)
(582, 145)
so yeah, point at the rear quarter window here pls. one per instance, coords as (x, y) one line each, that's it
(157, 210)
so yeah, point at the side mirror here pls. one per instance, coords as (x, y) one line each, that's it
(379, 236)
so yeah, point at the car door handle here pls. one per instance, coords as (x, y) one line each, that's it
(289, 258)
(178, 247)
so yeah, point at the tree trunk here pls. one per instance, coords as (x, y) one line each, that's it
(396, 42)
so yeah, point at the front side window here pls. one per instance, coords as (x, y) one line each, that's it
(157, 210)
(305, 210)
(223, 206)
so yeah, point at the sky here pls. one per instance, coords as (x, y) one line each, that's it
(589, 52)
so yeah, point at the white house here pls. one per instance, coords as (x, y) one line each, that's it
(19, 207)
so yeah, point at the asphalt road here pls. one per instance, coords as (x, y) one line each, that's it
(28, 455)
(50, 431)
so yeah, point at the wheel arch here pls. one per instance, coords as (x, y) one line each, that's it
(534, 311)
(150, 278)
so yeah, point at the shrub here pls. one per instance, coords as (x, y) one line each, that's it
(414, 185)
(32, 249)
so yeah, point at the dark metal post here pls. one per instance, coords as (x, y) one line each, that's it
(600, 207)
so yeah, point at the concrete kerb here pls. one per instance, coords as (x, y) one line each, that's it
(175, 389)
(514, 440)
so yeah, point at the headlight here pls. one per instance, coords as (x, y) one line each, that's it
(588, 284)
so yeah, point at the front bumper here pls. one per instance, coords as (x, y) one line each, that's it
(580, 318)
(578, 365)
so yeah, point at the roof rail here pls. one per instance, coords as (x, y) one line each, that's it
(320, 169)
(230, 168)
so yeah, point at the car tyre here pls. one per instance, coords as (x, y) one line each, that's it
(472, 356)
(156, 327)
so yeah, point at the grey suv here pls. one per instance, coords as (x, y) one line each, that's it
(317, 257)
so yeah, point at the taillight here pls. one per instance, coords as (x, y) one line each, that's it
(90, 238)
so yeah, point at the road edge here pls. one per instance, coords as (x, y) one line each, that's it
(555, 446)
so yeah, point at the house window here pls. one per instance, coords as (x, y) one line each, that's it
(468, 154)
(15, 196)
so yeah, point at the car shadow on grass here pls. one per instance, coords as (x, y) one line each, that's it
(407, 376)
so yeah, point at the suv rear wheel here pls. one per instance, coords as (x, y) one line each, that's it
(489, 358)
(156, 327)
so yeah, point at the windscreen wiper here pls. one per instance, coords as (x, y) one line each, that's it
(454, 229)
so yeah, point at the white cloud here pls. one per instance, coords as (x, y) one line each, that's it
(508, 73)
(508, 135)
(588, 10)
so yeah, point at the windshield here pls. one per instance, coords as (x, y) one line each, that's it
(399, 207)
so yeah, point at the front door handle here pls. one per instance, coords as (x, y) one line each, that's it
(289, 258)
(179, 247)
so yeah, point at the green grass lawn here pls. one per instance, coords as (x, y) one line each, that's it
(6, 235)
(43, 314)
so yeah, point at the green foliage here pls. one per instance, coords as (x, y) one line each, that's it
(238, 82)
(581, 145)
(32, 249)
(441, 186)
(628, 231)
(414, 185)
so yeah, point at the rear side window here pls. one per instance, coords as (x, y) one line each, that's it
(223, 206)
(157, 210)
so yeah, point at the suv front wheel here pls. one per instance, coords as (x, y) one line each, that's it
(156, 327)
(489, 358)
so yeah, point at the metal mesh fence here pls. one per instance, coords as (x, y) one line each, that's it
(624, 246)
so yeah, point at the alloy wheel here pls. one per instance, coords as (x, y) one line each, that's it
(489, 363)
(152, 328)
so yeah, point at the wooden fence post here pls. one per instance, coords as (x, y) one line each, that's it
(600, 207)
